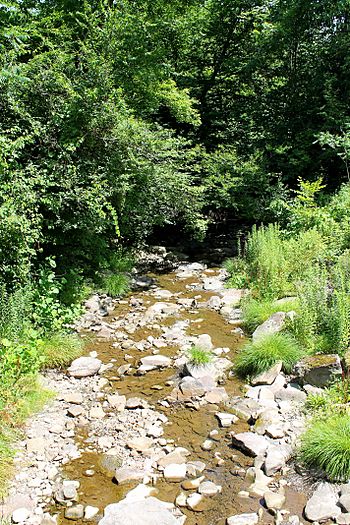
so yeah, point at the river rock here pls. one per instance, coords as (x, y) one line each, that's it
(195, 502)
(319, 370)
(135, 402)
(246, 409)
(125, 475)
(175, 472)
(140, 444)
(250, 443)
(243, 519)
(90, 512)
(276, 458)
(226, 419)
(269, 376)
(176, 456)
(274, 500)
(200, 371)
(275, 323)
(191, 387)
(84, 367)
(323, 504)
(208, 488)
(156, 361)
(343, 519)
(74, 513)
(232, 296)
(117, 402)
(73, 397)
(148, 511)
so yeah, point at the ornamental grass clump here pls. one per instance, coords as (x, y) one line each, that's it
(258, 356)
(326, 446)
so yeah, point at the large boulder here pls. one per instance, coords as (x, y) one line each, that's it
(322, 505)
(84, 367)
(275, 323)
(318, 370)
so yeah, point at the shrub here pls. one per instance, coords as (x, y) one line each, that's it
(258, 356)
(326, 446)
(256, 312)
(60, 349)
(199, 356)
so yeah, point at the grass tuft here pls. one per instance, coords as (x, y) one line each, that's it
(199, 356)
(115, 284)
(256, 357)
(257, 312)
(61, 349)
(326, 446)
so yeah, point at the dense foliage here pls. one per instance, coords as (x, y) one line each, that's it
(118, 117)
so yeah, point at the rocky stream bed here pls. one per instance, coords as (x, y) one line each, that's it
(136, 435)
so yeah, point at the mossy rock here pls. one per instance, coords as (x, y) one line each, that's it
(318, 370)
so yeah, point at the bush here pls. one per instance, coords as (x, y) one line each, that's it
(326, 446)
(258, 356)
(199, 356)
(256, 312)
(61, 349)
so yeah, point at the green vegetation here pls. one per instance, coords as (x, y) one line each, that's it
(199, 356)
(123, 121)
(326, 446)
(256, 312)
(60, 349)
(258, 356)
